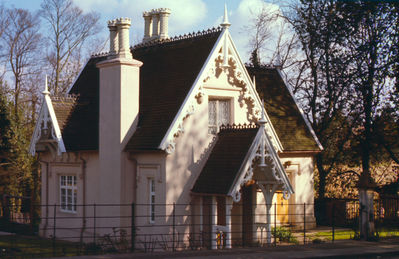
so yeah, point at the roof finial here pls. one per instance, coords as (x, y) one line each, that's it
(46, 92)
(225, 24)
(262, 120)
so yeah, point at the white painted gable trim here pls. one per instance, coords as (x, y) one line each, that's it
(246, 170)
(47, 113)
(301, 111)
(190, 103)
(259, 103)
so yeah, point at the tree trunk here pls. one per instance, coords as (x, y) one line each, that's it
(366, 214)
(322, 176)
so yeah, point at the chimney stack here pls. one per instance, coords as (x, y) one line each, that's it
(119, 96)
(156, 24)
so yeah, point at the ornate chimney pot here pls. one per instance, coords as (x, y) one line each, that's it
(123, 25)
(113, 38)
(147, 26)
(155, 24)
(163, 16)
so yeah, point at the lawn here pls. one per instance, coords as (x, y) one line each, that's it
(17, 246)
(343, 234)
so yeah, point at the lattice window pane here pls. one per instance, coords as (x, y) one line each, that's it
(63, 198)
(68, 193)
(69, 201)
(224, 112)
(218, 114)
(75, 198)
(212, 116)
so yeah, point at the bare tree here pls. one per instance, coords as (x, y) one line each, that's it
(260, 31)
(306, 48)
(372, 53)
(273, 42)
(70, 28)
(21, 41)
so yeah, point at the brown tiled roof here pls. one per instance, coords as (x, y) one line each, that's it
(225, 160)
(168, 72)
(63, 107)
(80, 122)
(283, 111)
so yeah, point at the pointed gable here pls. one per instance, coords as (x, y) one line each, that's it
(47, 133)
(238, 151)
(169, 71)
(224, 163)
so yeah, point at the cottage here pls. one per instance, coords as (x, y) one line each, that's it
(177, 127)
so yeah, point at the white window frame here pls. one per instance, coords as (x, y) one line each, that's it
(65, 205)
(217, 100)
(151, 192)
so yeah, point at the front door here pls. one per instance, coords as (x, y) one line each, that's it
(247, 215)
(282, 209)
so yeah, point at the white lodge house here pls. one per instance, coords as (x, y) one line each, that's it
(174, 121)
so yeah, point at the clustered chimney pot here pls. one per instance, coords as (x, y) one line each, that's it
(147, 26)
(119, 38)
(156, 24)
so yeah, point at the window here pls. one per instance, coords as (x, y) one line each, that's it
(152, 199)
(218, 114)
(68, 193)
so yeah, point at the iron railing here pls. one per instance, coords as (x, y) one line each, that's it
(104, 228)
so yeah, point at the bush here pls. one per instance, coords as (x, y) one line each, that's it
(284, 235)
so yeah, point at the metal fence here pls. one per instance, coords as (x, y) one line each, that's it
(105, 228)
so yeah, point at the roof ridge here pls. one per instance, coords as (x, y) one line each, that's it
(99, 54)
(234, 127)
(178, 37)
(63, 98)
(268, 66)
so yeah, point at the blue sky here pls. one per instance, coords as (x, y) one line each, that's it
(187, 15)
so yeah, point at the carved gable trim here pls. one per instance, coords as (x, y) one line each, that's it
(237, 76)
(47, 130)
(251, 161)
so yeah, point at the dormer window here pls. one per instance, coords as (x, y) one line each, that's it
(218, 114)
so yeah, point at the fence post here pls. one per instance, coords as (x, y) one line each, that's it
(133, 230)
(304, 223)
(333, 221)
(94, 223)
(275, 223)
(54, 227)
(173, 226)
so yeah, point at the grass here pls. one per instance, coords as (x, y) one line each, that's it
(18, 246)
(338, 235)
(345, 234)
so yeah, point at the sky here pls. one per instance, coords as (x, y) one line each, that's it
(187, 15)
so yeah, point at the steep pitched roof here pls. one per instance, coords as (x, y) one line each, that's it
(80, 120)
(223, 164)
(63, 107)
(284, 114)
(167, 75)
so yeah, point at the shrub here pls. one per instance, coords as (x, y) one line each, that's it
(284, 234)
